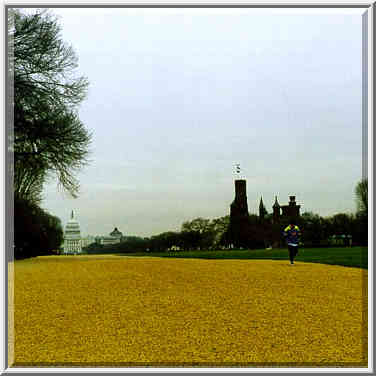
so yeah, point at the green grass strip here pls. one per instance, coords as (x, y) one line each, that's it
(353, 257)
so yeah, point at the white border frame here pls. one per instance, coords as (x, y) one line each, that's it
(279, 3)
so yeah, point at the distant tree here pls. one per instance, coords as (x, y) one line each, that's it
(53, 228)
(361, 193)
(94, 248)
(189, 240)
(341, 224)
(219, 227)
(361, 224)
(313, 229)
(198, 233)
(27, 236)
(48, 134)
(36, 232)
(167, 240)
(360, 229)
(198, 225)
(133, 244)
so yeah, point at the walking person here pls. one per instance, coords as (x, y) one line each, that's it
(292, 234)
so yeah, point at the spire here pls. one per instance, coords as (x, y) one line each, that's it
(262, 210)
(276, 205)
(261, 203)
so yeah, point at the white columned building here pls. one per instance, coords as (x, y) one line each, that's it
(72, 237)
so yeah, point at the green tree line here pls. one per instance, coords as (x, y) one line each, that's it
(206, 234)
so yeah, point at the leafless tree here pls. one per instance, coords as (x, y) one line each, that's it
(49, 137)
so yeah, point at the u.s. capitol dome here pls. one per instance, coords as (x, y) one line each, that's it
(72, 237)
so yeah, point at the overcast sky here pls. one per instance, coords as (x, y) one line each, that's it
(178, 96)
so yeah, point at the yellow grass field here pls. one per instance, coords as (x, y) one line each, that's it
(130, 311)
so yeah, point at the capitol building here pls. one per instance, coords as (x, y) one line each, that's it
(73, 242)
(72, 237)
(114, 237)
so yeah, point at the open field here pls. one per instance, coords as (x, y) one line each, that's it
(354, 256)
(133, 311)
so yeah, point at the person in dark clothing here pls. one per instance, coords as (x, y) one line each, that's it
(292, 235)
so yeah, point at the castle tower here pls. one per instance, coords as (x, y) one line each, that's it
(291, 210)
(239, 207)
(238, 231)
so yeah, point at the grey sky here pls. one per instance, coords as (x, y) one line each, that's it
(177, 96)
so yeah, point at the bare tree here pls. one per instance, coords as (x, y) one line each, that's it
(49, 137)
(361, 193)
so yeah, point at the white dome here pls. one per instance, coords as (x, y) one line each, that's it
(72, 229)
